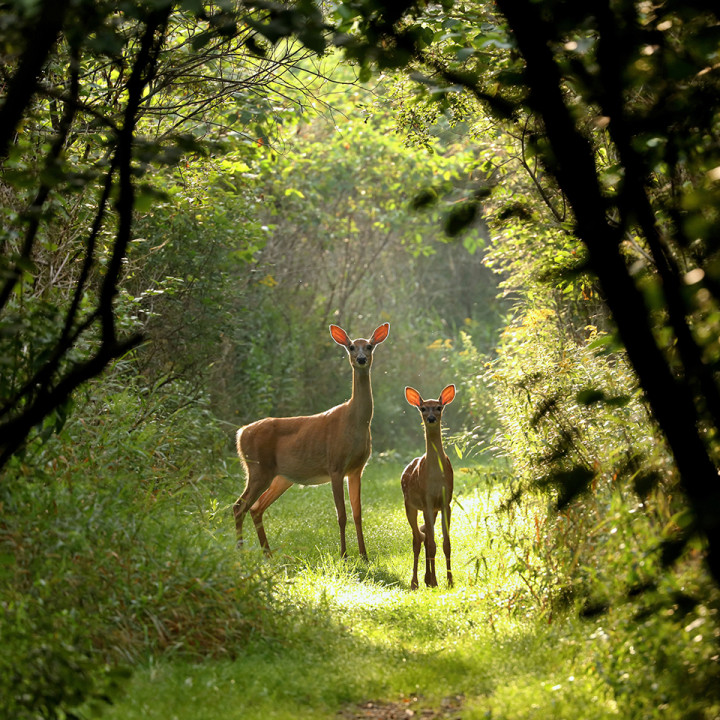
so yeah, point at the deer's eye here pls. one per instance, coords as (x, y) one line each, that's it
(352, 348)
(369, 348)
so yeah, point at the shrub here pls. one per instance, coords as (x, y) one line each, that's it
(111, 551)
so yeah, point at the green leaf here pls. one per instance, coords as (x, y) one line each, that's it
(194, 6)
(569, 484)
(254, 46)
(672, 549)
(365, 73)
(423, 199)
(645, 481)
(313, 39)
(201, 40)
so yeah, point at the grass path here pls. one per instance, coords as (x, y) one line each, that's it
(352, 641)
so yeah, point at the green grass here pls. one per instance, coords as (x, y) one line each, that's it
(99, 577)
(113, 558)
(349, 632)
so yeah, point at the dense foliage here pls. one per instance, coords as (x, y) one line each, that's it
(192, 191)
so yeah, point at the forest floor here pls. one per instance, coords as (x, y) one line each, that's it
(352, 641)
(450, 708)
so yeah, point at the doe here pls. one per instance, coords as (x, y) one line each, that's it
(427, 485)
(312, 449)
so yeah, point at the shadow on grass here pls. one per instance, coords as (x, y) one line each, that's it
(316, 667)
(377, 575)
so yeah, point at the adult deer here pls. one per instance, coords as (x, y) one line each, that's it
(427, 485)
(313, 449)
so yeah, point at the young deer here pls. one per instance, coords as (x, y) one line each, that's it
(427, 485)
(312, 449)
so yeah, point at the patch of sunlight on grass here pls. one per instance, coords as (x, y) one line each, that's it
(535, 698)
(361, 595)
(350, 631)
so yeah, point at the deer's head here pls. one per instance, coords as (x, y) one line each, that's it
(360, 351)
(431, 410)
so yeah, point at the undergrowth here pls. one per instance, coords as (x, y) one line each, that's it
(106, 556)
(106, 571)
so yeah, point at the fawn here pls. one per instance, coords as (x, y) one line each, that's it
(427, 485)
(313, 449)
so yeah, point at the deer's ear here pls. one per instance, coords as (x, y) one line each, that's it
(339, 335)
(447, 395)
(380, 334)
(413, 396)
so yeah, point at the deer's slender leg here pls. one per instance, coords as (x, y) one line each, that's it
(277, 487)
(257, 483)
(418, 538)
(354, 479)
(430, 548)
(446, 542)
(339, 497)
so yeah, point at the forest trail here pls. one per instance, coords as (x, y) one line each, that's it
(353, 642)
(450, 709)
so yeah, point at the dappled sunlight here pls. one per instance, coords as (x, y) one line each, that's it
(373, 600)
(191, 192)
(489, 547)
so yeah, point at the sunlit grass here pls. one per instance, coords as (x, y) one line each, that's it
(340, 632)
(348, 631)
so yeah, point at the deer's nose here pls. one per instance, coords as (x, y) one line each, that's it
(361, 360)
(431, 418)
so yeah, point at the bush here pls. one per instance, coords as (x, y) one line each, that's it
(48, 667)
(114, 547)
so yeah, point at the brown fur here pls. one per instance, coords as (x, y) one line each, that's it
(312, 449)
(427, 485)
